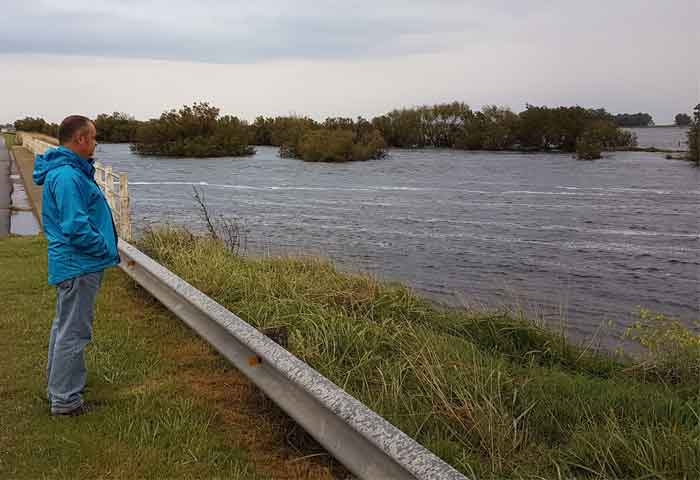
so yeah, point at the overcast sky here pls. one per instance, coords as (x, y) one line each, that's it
(348, 58)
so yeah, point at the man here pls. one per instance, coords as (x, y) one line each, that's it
(82, 240)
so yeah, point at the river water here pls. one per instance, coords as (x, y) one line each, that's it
(666, 138)
(583, 243)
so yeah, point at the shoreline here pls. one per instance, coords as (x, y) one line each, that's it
(487, 376)
(428, 148)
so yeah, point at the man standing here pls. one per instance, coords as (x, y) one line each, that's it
(82, 240)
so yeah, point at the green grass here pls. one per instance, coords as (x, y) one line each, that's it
(494, 396)
(9, 140)
(172, 407)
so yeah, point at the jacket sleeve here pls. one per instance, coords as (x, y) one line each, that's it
(71, 202)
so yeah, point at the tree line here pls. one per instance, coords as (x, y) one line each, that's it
(199, 130)
(537, 128)
(454, 125)
(645, 120)
(634, 120)
(36, 125)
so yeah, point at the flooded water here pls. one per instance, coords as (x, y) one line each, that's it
(586, 242)
(22, 219)
(16, 216)
(666, 138)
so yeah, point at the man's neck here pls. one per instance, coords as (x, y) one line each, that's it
(74, 150)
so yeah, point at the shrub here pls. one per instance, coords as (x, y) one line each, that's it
(336, 140)
(672, 351)
(341, 145)
(588, 147)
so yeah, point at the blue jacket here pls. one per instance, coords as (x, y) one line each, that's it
(76, 218)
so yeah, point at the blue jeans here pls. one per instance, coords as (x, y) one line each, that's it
(70, 333)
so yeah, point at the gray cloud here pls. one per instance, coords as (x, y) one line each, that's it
(348, 58)
(226, 32)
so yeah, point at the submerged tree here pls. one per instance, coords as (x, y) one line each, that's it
(694, 137)
(601, 135)
(339, 145)
(336, 140)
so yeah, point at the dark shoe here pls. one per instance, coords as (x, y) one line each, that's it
(85, 407)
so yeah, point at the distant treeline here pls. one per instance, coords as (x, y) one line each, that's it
(36, 125)
(683, 120)
(634, 120)
(645, 120)
(199, 131)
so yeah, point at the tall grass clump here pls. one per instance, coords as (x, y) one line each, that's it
(672, 350)
(493, 395)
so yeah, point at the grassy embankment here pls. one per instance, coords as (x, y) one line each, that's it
(9, 140)
(493, 396)
(172, 408)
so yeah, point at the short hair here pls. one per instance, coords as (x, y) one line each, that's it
(70, 126)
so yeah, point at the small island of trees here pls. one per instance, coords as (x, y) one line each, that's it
(196, 131)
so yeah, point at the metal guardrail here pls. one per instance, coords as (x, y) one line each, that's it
(368, 445)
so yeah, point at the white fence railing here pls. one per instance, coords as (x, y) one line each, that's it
(115, 186)
(116, 190)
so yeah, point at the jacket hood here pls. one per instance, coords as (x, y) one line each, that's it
(58, 157)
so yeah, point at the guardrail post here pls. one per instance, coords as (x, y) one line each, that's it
(109, 187)
(99, 175)
(124, 217)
